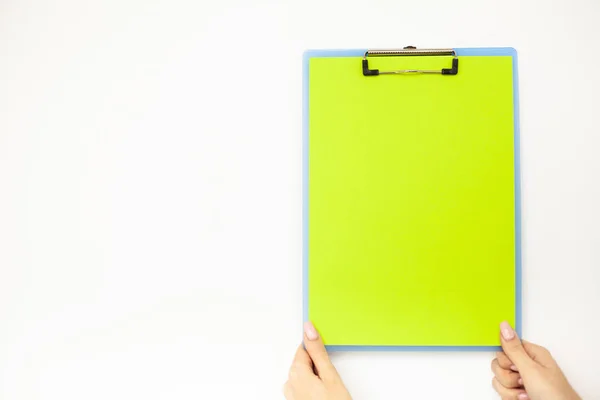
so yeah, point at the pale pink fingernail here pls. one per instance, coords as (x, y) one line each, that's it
(523, 396)
(507, 331)
(520, 381)
(310, 331)
(514, 368)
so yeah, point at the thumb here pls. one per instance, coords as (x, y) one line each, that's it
(317, 352)
(513, 348)
(538, 353)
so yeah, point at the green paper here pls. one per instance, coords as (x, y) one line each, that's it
(411, 224)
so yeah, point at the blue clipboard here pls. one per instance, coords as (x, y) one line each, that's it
(494, 51)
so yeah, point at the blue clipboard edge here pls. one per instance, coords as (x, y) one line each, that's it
(492, 51)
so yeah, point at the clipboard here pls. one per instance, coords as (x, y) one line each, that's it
(393, 260)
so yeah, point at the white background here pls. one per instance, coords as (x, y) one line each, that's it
(150, 192)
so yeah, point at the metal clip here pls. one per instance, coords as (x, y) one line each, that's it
(410, 51)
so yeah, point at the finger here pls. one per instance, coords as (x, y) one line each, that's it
(302, 365)
(288, 392)
(513, 348)
(509, 394)
(302, 358)
(505, 362)
(317, 352)
(538, 353)
(507, 378)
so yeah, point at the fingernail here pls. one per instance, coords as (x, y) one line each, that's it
(520, 381)
(507, 331)
(310, 331)
(523, 396)
(514, 368)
